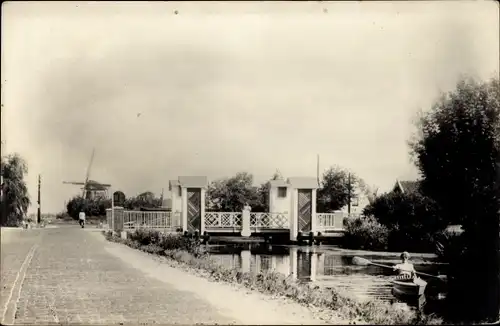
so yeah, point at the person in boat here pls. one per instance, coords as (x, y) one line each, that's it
(405, 269)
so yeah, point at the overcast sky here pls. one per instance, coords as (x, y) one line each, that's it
(223, 88)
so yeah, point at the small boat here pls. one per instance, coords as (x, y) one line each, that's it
(428, 295)
(408, 289)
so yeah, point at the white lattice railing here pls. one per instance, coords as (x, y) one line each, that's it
(223, 220)
(330, 221)
(151, 220)
(269, 220)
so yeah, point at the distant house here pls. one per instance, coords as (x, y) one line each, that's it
(358, 203)
(406, 187)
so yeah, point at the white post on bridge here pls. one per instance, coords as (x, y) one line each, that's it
(245, 221)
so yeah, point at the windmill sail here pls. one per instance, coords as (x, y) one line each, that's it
(90, 188)
(88, 172)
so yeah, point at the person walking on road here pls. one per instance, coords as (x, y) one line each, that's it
(81, 219)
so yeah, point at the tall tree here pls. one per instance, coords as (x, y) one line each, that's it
(15, 199)
(231, 194)
(412, 220)
(338, 186)
(261, 203)
(91, 206)
(146, 199)
(456, 149)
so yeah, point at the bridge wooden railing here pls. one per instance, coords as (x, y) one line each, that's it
(330, 221)
(269, 221)
(233, 220)
(168, 221)
(223, 220)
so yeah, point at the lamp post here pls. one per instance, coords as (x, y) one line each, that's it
(39, 213)
(349, 194)
(112, 210)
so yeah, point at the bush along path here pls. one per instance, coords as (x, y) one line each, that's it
(190, 253)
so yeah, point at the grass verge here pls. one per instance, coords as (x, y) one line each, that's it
(190, 253)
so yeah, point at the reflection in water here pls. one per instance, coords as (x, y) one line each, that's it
(324, 268)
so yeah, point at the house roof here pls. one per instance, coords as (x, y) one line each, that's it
(278, 183)
(408, 186)
(303, 182)
(193, 182)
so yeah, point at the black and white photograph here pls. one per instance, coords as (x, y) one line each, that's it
(250, 162)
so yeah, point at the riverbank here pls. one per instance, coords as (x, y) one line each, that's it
(242, 306)
(333, 304)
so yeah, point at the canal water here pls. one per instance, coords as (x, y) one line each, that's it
(325, 266)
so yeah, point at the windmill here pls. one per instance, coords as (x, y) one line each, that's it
(91, 189)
